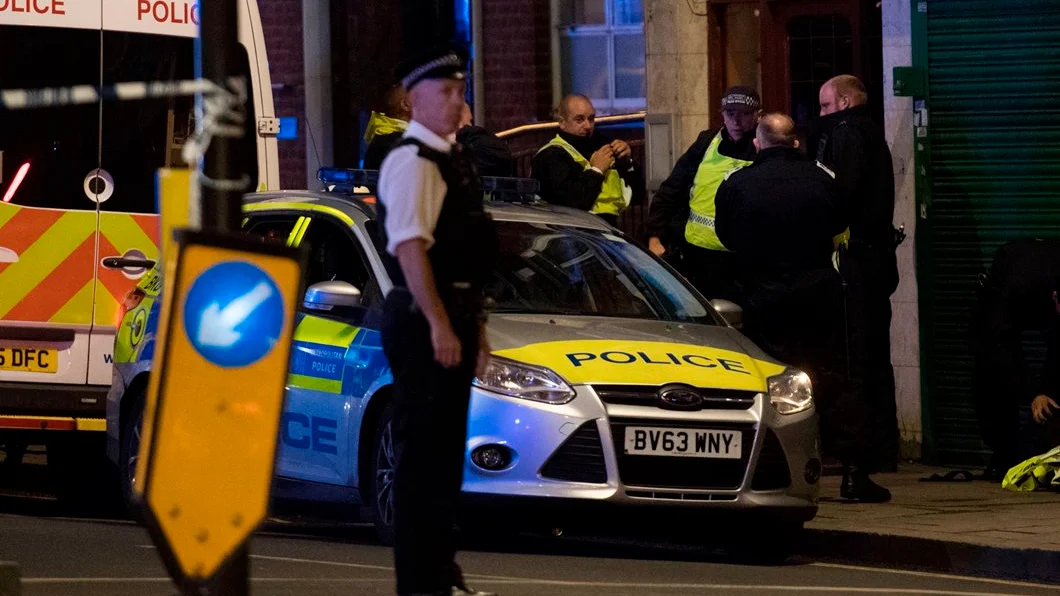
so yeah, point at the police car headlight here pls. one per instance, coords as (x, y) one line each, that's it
(524, 381)
(791, 391)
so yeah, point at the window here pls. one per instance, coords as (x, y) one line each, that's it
(54, 148)
(335, 255)
(601, 44)
(550, 269)
(819, 48)
(139, 137)
(275, 229)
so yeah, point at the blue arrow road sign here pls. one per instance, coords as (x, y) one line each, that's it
(233, 314)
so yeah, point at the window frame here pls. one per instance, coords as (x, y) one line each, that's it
(609, 31)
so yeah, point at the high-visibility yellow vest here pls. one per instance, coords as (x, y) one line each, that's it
(712, 170)
(381, 125)
(611, 200)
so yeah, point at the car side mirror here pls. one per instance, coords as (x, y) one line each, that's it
(730, 311)
(329, 295)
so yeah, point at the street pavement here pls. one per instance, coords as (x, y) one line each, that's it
(113, 557)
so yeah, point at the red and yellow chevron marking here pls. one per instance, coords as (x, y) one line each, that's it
(55, 251)
(121, 232)
(58, 271)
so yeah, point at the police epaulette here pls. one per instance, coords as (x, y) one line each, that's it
(825, 168)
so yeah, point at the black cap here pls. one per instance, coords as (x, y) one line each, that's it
(741, 97)
(441, 62)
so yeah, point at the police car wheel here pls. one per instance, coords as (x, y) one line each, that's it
(381, 477)
(129, 453)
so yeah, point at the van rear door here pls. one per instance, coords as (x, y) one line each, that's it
(48, 208)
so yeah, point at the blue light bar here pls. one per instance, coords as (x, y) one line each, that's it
(510, 190)
(343, 178)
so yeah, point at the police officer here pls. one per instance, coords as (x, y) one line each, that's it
(681, 216)
(779, 216)
(385, 130)
(584, 169)
(437, 244)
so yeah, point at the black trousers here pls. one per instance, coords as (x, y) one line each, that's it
(715, 273)
(868, 279)
(798, 319)
(430, 437)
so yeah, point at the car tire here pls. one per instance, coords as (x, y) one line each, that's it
(380, 475)
(771, 543)
(128, 453)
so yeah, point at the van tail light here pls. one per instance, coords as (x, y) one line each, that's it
(19, 177)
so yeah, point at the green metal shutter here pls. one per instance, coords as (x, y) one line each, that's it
(988, 171)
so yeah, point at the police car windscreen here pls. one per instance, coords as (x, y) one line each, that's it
(550, 269)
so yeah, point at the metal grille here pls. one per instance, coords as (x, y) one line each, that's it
(682, 472)
(579, 459)
(639, 395)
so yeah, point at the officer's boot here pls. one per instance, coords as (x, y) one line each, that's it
(857, 486)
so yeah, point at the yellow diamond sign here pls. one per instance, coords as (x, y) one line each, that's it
(216, 397)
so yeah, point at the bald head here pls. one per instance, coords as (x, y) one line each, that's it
(842, 93)
(576, 115)
(775, 130)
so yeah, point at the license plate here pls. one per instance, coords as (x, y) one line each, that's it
(35, 360)
(683, 442)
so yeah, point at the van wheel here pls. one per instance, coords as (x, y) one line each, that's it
(382, 464)
(129, 454)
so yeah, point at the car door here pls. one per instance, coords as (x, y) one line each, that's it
(332, 362)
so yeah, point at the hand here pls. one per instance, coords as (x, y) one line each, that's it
(484, 351)
(621, 149)
(446, 345)
(603, 158)
(656, 247)
(1040, 408)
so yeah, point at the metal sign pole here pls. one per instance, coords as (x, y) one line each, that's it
(222, 177)
(222, 182)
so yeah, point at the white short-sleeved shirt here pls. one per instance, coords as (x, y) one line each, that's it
(412, 189)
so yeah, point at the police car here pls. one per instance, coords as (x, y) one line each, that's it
(614, 386)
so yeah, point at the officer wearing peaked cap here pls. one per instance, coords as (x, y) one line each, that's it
(437, 241)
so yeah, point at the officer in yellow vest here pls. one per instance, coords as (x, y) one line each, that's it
(681, 217)
(583, 169)
(385, 130)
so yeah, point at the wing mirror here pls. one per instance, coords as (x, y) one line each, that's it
(730, 311)
(328, 295)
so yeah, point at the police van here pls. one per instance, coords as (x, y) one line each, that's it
(77, 188)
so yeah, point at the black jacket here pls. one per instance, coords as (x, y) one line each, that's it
(853, 146)
(670, 206)
(564, 182)
(490, 153)
(378, 148)
(779, 213)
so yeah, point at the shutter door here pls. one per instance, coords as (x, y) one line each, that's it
(993, 177)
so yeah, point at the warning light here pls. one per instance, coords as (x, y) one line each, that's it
(21, 175)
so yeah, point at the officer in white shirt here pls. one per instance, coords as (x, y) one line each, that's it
(438, 246)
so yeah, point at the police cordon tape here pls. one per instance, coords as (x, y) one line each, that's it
(48, 97)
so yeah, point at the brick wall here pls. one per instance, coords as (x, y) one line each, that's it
(282, 24)
(516, 56)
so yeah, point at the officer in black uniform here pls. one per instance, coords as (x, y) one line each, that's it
(437, 242)
(779, 215)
